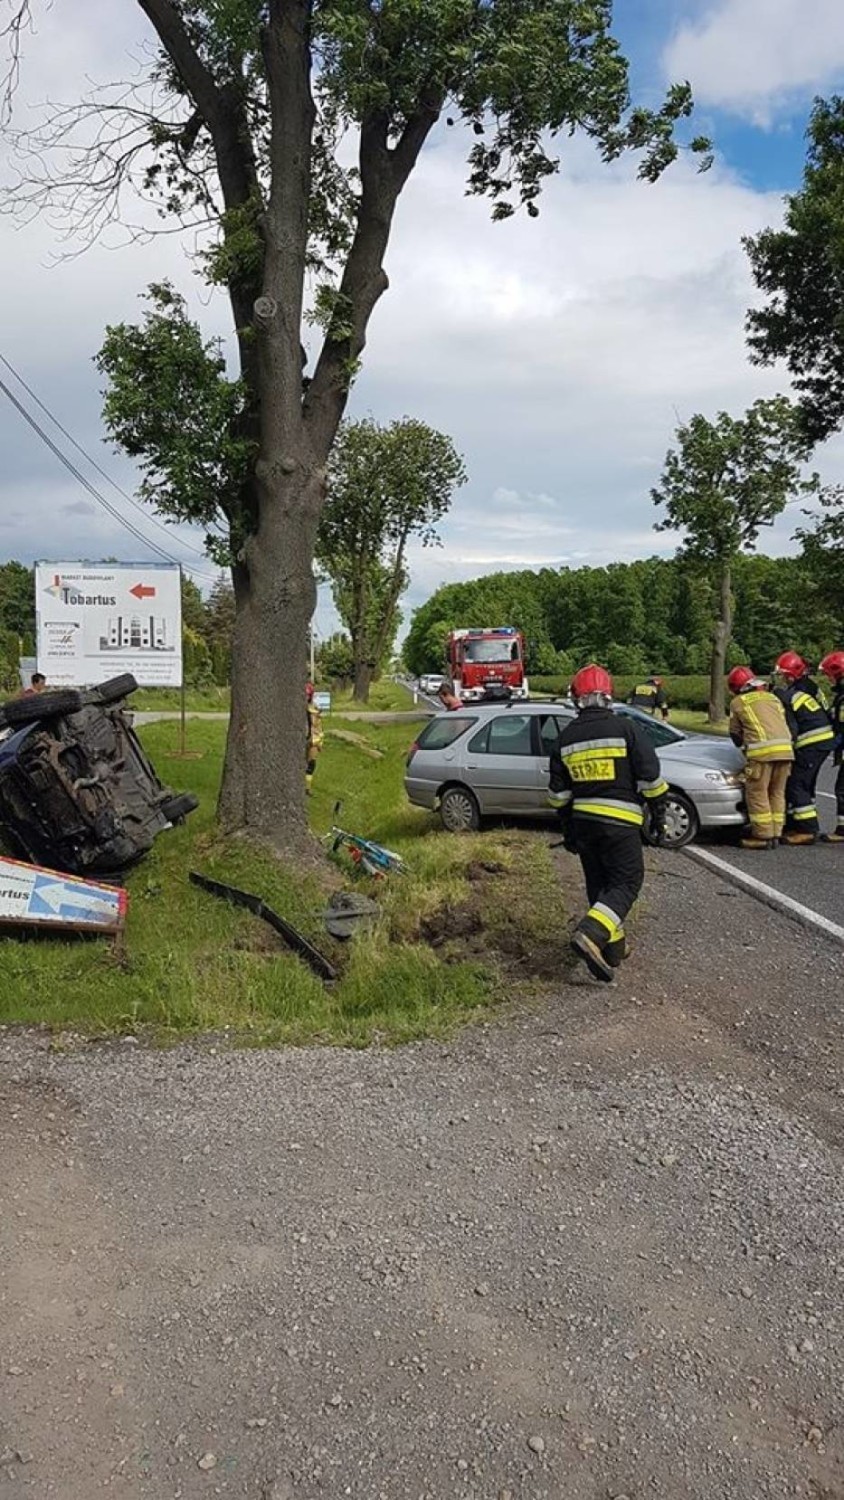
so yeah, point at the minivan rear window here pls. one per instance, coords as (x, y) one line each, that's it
(441, 733)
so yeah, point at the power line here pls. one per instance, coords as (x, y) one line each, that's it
(151, 520)
(93, 492)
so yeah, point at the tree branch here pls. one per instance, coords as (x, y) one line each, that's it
(21, 18)
(383, 174)
(175, 39)
(220, 107)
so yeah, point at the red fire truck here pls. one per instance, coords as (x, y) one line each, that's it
(487, 663)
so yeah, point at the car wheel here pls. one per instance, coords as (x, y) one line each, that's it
(115, 689)
(681, 822)
(40, 706)
(176, 809)
(459, 811)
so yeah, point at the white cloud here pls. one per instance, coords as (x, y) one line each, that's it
(559, 353)
(753, 56)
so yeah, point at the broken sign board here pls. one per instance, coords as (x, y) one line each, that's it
(31, 896)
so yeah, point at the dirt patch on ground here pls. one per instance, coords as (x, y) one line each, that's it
(486, 925)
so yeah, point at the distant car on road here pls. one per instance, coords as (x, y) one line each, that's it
(484, 760)
(431, 683)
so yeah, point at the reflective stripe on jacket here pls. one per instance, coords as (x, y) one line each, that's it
(807, 718)
(316, 735)
(650, 698)
(602, 766)
(759, 725)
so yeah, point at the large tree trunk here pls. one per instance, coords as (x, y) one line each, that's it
(263, 783)
(363, 680)
(722, 631)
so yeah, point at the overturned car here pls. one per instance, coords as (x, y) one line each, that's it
(77, 790)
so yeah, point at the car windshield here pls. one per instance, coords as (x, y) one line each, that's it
(442, 732)
(658, 733)
(491, 651)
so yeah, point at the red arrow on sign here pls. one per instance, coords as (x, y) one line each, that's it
(141, 591)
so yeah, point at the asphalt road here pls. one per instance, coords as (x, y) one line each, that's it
(811, 876)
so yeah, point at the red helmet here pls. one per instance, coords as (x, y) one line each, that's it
(833, 666)
(309, 691)
(739, 678)
(591, 679)
(791, 665)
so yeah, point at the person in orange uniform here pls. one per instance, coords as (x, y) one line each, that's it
(759, 726)
(813, 738)
(832, 667)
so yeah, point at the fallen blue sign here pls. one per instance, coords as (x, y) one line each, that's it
(33, 896)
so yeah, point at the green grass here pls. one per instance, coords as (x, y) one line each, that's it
(195, 964)
(385, 696)
(695, 721)
(688, 692)
(213, 700)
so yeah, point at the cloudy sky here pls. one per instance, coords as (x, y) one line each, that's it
(559, 353)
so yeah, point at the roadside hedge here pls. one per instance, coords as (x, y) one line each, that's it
(683, 692)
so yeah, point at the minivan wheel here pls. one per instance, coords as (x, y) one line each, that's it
(39, 707)
(681, 822)
(176, 809)
(459, 811)
(115, 688)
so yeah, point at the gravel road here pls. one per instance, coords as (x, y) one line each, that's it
(592, 1250)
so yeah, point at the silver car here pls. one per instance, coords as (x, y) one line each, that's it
(487, 760)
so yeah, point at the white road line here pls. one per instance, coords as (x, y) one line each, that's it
(767, 893)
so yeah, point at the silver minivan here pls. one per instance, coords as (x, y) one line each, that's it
(489, 760)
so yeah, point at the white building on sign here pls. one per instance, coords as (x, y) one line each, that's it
(96, 621)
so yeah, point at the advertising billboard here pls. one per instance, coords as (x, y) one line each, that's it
(97, 620)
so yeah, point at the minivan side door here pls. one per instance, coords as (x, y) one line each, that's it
(501, 764)
(548, 727)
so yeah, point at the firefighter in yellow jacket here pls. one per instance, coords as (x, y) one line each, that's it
(758, 724)
(315, 738)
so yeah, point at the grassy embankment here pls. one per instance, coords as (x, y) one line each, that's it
(385, 697)
(196, 965)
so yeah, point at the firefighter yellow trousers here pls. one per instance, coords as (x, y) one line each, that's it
(765, 783)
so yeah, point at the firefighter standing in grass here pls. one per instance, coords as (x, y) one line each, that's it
(601, 768)
(832, 667)
(650, 697)
(315, 738)
(813, 740)
(758, 725)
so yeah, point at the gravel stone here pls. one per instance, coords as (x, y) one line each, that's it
(160, 1234)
